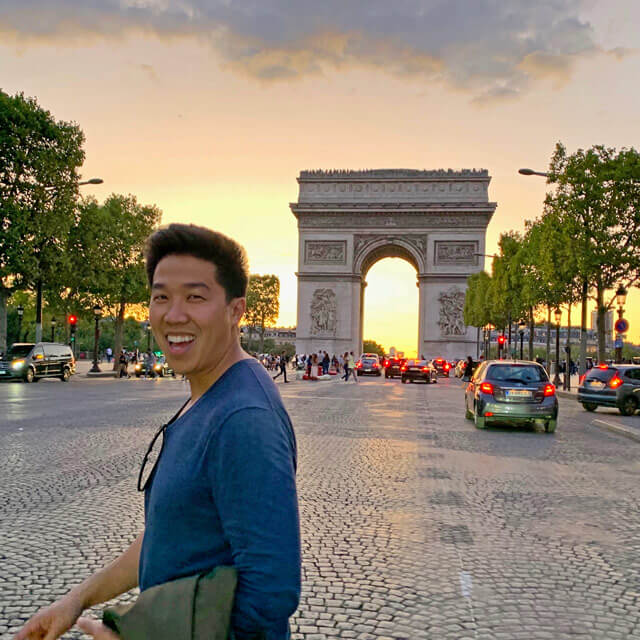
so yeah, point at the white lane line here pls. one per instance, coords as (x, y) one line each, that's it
(466, 584)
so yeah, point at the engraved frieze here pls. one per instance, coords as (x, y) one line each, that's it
(362, 242)
(325, 252)
(456, 253)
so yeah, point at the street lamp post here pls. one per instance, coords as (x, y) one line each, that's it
(556, 377)
(53, 329)
(20, 311)
(97, 312)
(39, 283)
(148, 327)
(521, 327)
(621, 298)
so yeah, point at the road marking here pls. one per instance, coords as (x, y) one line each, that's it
(466, 584)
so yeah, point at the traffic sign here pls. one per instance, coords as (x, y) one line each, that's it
(621, 325)
(618, 343)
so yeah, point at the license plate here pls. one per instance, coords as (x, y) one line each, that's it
(414, 369)
(596, 384)
(518, 393)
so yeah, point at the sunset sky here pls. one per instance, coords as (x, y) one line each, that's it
(210, 108)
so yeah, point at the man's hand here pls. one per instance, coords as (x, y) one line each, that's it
(96, 629)
(52, 622)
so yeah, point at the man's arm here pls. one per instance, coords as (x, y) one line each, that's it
(116, 578)
(253, 480)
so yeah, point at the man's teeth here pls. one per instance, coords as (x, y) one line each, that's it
(180, 338)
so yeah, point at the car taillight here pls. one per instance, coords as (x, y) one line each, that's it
(447, 367)
(581, 379)
(425, 368)
(549, 390)
(603, 366)
(359, 365)
(486, 387)
(403, 367)
(375, 365)
(386, 363)
(615, 382)
(439, 360)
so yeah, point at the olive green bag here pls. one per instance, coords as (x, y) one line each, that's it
(192, 608)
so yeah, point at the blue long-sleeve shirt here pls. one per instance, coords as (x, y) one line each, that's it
(223, 493)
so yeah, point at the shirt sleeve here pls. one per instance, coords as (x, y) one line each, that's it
(252, 471)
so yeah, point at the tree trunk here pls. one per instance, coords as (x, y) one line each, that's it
(4, 296)
(582, 367)
(548, 337)
(117, 337)
(262, 337)
(602, 345)
(531, 330)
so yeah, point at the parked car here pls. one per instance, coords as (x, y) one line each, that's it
(515, 392)
(392, 367)
(441, 366)
(611, 386)
(32, 361)
(414, 370)
(368, 364)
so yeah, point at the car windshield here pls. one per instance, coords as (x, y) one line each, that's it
(603, 375)
(516, 373)
(368, 360)
(19, 350)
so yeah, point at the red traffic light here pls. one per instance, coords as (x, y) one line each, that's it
(73, 320)
(501, 339)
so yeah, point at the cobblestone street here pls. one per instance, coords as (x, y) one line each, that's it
(414, 523)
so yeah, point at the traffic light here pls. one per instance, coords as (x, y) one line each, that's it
(73, 322)
(502, 340)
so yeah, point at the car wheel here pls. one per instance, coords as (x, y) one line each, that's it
(479, 421)
(66, 374)
(629, 406)
(404, 381)
(29, 377)
(590, 406)
(550, 426)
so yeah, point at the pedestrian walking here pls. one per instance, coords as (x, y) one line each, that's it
(326, 361)
(109, 353)
(219, 477)
(123, 368)
(352, 366)
(283, 367)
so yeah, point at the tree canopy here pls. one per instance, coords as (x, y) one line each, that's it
(263, 304)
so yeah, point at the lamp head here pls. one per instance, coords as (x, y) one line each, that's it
(621, 296)
(558, 315)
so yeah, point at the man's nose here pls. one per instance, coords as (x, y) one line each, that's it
(176, 313)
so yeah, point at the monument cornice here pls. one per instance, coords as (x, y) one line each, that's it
(317, 276)
(320, 175)
(313, 207)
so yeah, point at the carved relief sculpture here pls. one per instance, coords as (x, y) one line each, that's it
(451, 320)
(323, 313)
(325, 252)
(456, 253)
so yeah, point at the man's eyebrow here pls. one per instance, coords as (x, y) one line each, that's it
(186, 285)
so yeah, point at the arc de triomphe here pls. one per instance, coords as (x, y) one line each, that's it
(348, 220)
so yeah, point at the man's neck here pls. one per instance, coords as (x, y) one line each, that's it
(203, 381)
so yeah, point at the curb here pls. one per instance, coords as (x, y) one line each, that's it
(102, 374)
(627, 432)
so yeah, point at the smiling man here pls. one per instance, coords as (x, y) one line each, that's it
(222, 491)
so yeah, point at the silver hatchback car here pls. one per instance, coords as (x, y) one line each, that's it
(511, 391)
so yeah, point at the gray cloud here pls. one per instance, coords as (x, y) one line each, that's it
(491, 48)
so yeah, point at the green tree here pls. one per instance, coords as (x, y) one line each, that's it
(39, 159)
(371, 346)
(107, 244)
(597, 203)
(263, 304)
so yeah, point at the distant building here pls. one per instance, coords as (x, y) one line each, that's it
(279, 335)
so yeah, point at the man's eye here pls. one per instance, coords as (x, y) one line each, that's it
(159, 297)
(195, 296)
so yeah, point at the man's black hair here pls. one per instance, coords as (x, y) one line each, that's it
(229, 258)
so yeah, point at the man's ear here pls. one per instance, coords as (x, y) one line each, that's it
(238, 306)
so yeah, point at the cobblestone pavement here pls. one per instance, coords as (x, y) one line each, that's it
(415, 525)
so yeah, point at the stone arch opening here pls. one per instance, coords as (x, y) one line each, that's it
(390, 304)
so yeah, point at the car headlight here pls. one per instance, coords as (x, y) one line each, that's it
(17, 364)
(157, 367)
(138, 367)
